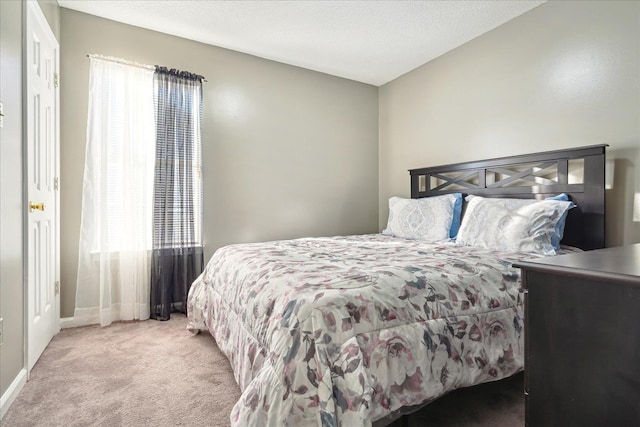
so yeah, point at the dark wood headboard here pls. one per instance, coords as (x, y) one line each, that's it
(578, 172)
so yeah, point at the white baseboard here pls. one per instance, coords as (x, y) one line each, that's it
(12, 392)
(70, 322)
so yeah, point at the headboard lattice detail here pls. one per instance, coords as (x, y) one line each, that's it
(578, 172)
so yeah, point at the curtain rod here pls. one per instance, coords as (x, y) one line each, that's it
(124, 61)
(121, 61)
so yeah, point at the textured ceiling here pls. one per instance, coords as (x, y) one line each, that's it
(369, 41)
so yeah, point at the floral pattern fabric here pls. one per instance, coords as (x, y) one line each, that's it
(344, 331)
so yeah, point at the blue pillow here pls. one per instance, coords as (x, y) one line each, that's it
(562, 197)
(555, 240)
(457, 213)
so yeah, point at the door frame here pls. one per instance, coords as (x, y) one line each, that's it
(34, 7)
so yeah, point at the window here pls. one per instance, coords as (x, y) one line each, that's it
(177, 215)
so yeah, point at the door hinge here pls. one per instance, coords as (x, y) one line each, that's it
(56, 183)
(56, 82)
(57, 287)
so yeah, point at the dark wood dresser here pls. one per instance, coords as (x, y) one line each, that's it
(582, 338)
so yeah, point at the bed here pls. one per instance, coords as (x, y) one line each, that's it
(360, 330)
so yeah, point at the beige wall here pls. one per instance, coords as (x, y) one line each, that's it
(287, 152)
(11, 256)
(51, 11)
(565, 74)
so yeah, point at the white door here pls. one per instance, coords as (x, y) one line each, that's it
(42, 184)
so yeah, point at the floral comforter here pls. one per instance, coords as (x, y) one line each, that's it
(344, 331)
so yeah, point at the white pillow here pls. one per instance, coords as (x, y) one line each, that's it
(428, 218)
(513, 225)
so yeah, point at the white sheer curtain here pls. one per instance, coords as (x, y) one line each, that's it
(117, 196)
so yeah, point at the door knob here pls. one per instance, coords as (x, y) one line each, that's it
(36, 206)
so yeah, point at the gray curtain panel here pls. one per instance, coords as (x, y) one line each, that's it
(177, 255)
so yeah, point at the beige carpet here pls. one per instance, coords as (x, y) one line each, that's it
(157, 374)
(147, 373)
